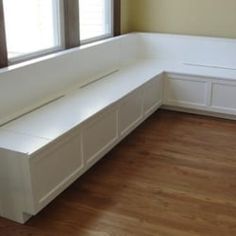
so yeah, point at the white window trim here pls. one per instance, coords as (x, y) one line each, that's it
(60, 39)
(110, 15)
(94, 39)
(59, 25)
(33, 55)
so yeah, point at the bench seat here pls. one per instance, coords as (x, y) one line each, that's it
(57, 118)
(53, 120)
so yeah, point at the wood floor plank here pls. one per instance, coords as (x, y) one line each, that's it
(175, 175)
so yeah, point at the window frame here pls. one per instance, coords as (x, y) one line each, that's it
(69, 32)
(3, 45)
(59, 27)
(116, 17)
(104, 36)
(71, 23)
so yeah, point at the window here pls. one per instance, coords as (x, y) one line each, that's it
(95, 19)
(32, 26)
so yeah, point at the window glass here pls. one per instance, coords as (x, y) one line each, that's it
(95, 18)
(31, 26)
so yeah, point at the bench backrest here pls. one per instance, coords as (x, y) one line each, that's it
(190, 49)
(27, 86)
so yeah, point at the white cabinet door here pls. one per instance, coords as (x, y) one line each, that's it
(153, 92)
(54, 168)
(189, 92)
(224, 97)
(99, 135)
(131, 111)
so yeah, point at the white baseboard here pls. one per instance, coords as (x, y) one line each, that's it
(199, 112)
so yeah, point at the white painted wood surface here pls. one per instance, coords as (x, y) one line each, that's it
(153, 95)
(54, 168)
(99, 134)
(131, 111)
(224, 97)
(186, 91)
(72, 133)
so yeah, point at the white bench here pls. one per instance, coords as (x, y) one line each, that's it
(59, 116)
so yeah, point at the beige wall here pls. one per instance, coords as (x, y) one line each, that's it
(125, 16)
(195, 17)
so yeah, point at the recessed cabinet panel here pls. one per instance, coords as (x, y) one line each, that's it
(224, 97)
(153, 91)
(99, 135)
(55, 168)
(131, 111)
(186, 92)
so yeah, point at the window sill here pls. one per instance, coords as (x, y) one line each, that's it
(95, 39)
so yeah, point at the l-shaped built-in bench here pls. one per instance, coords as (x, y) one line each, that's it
(60, 115)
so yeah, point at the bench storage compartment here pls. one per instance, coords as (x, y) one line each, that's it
(130, 112)
(186, 91)
(54, 168)
(224, 97)
(99, 135)
(153, 93)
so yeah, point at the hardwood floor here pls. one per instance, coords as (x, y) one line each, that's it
(174, 175)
